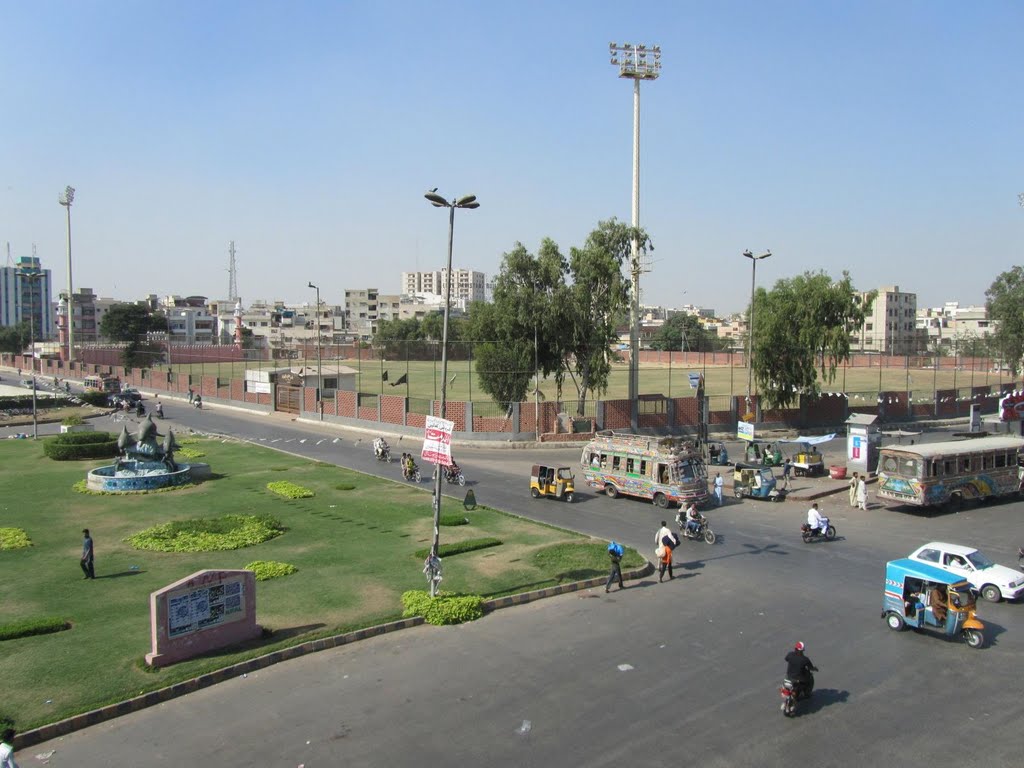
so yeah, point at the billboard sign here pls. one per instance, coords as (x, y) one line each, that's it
(437, 441)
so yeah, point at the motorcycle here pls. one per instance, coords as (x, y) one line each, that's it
(382, 452)
(703, 531)
(792, 692)
(413, 476)
(159, 410)
(809, 534)
(454, 475)
(1020, 557)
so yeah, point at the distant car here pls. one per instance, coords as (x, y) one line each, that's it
(991, 581)
(26, 383)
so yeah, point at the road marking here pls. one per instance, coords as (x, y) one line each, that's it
(321, 441)
(625, 667)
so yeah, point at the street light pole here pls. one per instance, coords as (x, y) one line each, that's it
(750, 321)
(469, 201)
(66, 200)
(31, 278)
(319, 369)
(634, 65)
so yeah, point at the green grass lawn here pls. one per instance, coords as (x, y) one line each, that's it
(425, 379)
(353, 550)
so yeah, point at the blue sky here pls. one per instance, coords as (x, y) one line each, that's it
(879, 137)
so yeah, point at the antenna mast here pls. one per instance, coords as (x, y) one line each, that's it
(232, 274)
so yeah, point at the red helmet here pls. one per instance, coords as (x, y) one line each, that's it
(799, 646)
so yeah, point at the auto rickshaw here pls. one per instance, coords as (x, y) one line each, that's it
(552, 481)
(756, 482)
(922, 596)
(767, 454)
(718, 455)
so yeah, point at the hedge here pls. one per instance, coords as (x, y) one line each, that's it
(460, 547)
(14, 538)
(81, 445)
(29, 627)
(96, 398)
(289, 490)
(25, 401)
(270, 569)
(446, 608)
(208, 535)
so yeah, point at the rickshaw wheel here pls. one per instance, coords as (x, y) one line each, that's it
(611, 491)
(974, 638)
(535, 493)
(895, 621)
(661, 500)
(568, 497)
(738, 493)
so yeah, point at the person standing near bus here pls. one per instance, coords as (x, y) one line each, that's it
(853, 490)
(862, 494)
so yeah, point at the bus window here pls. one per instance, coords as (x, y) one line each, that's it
(1000, 459)
(604, 461)
(909, 468)
(643, 467)
(616, 463)
(889, 464)
(629, 466)
(949, 468)
(663, 476)
(965, 464)
(686, 471)
(933, 469)
(987, 461)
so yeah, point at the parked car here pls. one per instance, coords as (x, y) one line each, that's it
(993, 582)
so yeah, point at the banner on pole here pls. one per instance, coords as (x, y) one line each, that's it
(437, 441)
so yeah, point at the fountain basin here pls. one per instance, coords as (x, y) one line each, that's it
(143, 476)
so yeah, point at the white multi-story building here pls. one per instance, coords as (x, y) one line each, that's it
(950, 324)
(890, 327)
(467, 285)
(25, 295)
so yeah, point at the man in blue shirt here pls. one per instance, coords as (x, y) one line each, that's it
(87, 555)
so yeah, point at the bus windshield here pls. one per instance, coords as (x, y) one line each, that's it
(904, 466)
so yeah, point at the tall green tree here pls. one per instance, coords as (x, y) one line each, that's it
(14, 338)
(802, 333)
(1004, 301)
(599, 290)
(518, 333)
(131, 324)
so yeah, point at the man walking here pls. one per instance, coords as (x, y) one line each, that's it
(862, 494)
(7, 749)
(787, 467)
(191, 395)
(853, 490)
(719, 485)
(615, 552)
(666, 541)
(87, 555)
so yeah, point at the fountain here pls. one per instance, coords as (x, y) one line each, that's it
(144, 464)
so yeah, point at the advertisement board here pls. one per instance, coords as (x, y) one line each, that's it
(745, 431)
(437, 441)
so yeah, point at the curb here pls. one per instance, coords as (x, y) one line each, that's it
(109, 712)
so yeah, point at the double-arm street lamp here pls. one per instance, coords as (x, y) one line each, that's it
(750, 320)
(319, 367)
(66, 199)
(469, 201)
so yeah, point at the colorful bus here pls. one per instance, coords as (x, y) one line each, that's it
(951, 472)
(647, 467)
(103, 383)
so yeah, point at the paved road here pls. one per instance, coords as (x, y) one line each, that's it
(684, 671)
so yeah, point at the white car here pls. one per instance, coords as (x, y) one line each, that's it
(991, 581)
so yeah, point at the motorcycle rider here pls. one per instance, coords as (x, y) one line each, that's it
(799, 669)
(816, 522)
(159, 408)
(381, 447)
(410, 466)
(691, 518)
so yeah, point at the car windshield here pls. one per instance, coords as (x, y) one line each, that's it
(979, 561)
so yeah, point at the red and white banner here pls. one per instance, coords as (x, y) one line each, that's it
(437, 441)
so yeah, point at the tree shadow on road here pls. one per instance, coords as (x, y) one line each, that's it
(750, 549)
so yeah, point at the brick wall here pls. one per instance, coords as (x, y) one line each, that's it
(392, 409)
(616, 414)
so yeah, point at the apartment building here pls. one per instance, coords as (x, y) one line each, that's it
(890, 327)
(467, 285)
(25, 290)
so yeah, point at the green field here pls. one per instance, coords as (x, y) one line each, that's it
(353, 550)
(424, 379)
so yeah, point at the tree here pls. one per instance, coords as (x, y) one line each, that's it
(1004, 301)
(518, 332)
(683, 332)
(131, 324)
(14, 338)
(598, 292)
(802, 334)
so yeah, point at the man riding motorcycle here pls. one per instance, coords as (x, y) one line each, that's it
(381, 448)
(691, 518)
(798, 671)
(815, 519)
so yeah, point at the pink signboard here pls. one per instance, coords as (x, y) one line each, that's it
(437, 441)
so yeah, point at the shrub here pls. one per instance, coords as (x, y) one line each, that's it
(96, 398)
(460, 547)
(209, 535)
(344, 487)
(289, 490)
(190, 453)
(446, 608)
(72, 421)
(269, 569)
(81, 445)
(14, 538)
(29, 627)
(453, 520)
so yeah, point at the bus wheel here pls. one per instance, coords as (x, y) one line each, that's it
(611, 491)
(661, 500)
(955, 503)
